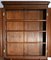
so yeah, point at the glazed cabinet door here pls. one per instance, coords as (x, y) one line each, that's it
(25, 33)
(35, 33)
(14, 34)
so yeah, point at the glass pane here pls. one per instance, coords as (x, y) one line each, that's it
(14, 49)
(14, 25)
(15, 14)
(32, 48)
(44, 49)
(33, 25)
(44, 36)
(44, 14)
(33, 37)
(44, 25)
(33, 15)
(14, 36)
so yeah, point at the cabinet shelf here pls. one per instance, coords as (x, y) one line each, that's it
(26, 42)
(23, 20)
(24, 31)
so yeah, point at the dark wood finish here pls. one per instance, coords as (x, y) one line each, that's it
(27, 58)
(25, 2)
(24, 59)
(15, 14)
(25, 30)
(22, 5)
(49, 32)
(1, 18)
(23, 36)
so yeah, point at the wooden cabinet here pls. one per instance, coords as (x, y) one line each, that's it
(25, 30)
(1, 19)
(49, 32)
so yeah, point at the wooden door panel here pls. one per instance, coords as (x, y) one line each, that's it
(14, 25)
(14, 14)
(14, 36)
(14, 49)
(33, 15)
(33, 26)
(33, 37)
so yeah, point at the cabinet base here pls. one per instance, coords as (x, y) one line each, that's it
(22, 59)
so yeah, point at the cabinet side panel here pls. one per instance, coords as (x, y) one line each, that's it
(1, 11)
(49, 32)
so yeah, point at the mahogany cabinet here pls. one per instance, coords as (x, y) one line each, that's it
(49, 31)
(25, 30)
(1, 29)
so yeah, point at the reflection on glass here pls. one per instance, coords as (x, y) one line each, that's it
(14, 49)
(35, 25)
(32, 49)
(33, 37)
(15, 15)
(33, 15)
(14, 25)
(14, 36)
(28, 38)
